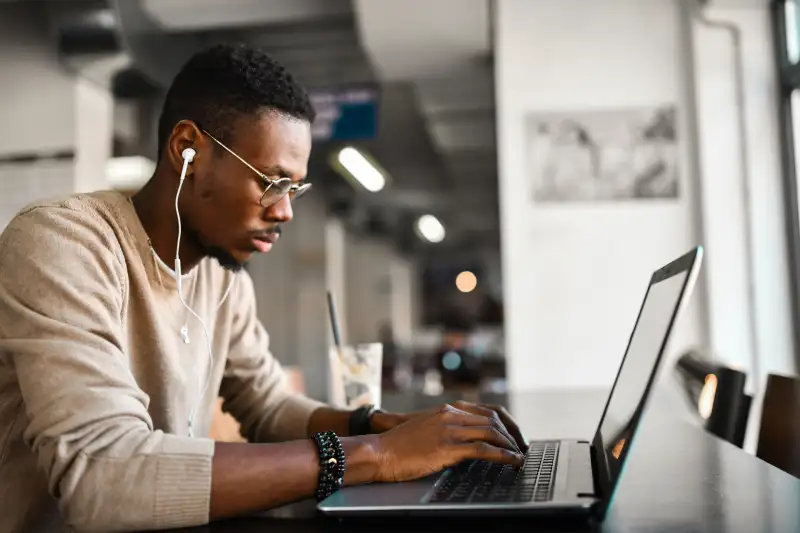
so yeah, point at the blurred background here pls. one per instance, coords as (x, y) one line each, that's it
(494, 180)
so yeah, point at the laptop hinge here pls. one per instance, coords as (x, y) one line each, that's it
(595, 471)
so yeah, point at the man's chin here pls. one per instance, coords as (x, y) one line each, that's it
(225, 259)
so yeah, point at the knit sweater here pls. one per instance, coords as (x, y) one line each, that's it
(98, 387)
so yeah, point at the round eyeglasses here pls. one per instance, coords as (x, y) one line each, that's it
(274, 189)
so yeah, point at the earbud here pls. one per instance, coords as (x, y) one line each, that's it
(188, 155)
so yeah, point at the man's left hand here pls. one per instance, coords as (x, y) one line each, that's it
(383, 421)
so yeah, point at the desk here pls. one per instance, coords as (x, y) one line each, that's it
(679, 479)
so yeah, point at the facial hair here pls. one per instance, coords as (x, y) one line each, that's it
(226, 260)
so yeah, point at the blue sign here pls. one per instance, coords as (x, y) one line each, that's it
(345, 114)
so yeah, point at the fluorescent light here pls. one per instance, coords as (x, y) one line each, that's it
(361, 169)
(129, 172)
(430, 228)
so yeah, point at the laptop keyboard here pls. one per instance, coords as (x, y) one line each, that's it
(487, 482)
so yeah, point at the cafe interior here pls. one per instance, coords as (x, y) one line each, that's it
(496, 186)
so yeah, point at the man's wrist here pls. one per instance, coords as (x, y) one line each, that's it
(381, 421)
(359, 422)
(363, 459)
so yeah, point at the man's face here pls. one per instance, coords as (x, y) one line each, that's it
(225, 216)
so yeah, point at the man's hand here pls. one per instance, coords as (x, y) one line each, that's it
(383, 421)
(500, 413)
(432, 440)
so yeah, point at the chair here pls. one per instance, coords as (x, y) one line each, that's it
(779, 433)
(716, 391)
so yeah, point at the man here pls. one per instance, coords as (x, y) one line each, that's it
(112, 352)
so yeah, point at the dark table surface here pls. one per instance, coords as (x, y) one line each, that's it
(678, 479)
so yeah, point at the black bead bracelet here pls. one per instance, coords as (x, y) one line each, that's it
(331, 463)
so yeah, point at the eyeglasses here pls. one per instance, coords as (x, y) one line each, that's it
(274, 190)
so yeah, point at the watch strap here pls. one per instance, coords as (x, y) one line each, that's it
(360, 420)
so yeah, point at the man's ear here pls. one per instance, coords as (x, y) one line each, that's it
(185, 135)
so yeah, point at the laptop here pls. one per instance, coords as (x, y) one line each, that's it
(558, 477)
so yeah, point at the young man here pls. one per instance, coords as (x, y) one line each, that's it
(112, 352)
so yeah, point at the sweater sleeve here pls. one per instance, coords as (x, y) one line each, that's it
(254, 386)
(62, 284)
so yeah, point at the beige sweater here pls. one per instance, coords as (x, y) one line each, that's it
(97, 385)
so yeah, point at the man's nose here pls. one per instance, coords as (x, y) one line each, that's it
(280, 211)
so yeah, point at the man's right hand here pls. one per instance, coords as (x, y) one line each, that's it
(427, 444)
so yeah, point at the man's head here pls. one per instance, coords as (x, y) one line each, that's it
(230, 101)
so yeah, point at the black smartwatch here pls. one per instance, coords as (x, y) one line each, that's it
(359, 420)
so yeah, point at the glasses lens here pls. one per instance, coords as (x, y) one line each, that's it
(276, 190)
(301, 191)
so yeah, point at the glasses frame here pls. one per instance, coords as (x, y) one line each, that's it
(294, 190)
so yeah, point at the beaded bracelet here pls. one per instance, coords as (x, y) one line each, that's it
(331, 463)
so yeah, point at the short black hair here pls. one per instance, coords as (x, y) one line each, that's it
(225, 81)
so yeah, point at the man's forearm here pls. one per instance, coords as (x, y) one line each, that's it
(247, 478)
(338, 421)
(329, 419)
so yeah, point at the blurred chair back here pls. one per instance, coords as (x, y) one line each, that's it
(717, 392)
(779, 434)
(731, 407)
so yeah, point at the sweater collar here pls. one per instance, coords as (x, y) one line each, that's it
(157, 270)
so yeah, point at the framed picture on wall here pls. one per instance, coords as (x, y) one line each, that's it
(607, 155)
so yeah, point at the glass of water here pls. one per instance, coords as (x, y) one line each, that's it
(356, 373)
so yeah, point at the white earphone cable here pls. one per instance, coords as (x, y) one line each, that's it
(187, 158)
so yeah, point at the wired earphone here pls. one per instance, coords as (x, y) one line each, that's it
(188, 155)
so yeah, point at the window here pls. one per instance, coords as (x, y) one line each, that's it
(786, 17)
(791, 27)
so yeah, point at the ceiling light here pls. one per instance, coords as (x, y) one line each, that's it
(361, 169)
(430, 228)
(129, 172)
(466, 281)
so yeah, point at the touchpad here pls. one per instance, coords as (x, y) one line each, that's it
(382, 494)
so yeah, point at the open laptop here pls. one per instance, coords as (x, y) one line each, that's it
(567, 477)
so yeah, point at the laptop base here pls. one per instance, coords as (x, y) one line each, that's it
(572, 493)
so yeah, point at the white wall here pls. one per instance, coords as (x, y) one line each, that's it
(36, 112)
(94, 132)
(575, 274)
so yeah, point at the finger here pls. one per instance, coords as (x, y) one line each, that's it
(484, 451)
(489, 412)
(511, 425)
(457, 417)
(482, 433)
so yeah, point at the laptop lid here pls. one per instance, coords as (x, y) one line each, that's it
(669, 289)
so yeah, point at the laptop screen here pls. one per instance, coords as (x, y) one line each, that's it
(627, 399)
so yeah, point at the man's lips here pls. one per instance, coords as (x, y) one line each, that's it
(264, 241)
